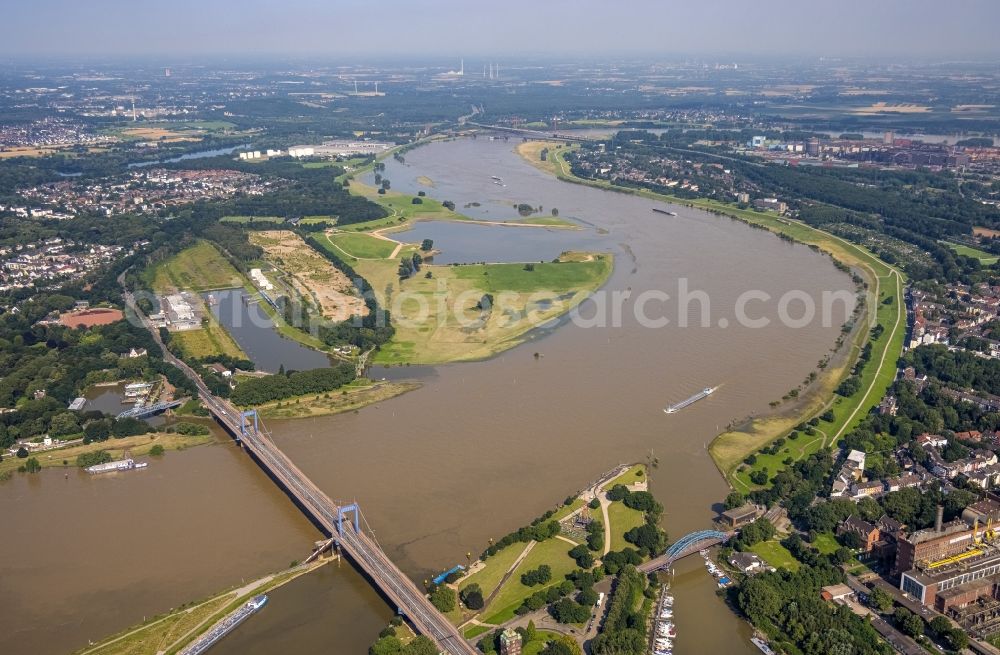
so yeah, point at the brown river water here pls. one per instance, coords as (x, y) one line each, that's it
(479, 450)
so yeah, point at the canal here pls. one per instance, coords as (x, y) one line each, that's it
(479, 450)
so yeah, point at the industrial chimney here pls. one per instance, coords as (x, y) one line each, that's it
(939, 522)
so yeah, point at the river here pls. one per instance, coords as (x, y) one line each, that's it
(479, 450)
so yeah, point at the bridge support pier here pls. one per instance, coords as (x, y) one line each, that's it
(353, 507)
(244, 424)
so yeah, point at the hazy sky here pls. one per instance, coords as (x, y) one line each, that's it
(184, 28)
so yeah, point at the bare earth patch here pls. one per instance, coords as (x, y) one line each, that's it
(311, 274)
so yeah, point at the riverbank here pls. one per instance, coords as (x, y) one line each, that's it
(349, 398)
(884, 293)
(139, 446)
(169, 633)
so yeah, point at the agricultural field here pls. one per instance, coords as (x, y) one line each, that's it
(310, 274)
(198, 268)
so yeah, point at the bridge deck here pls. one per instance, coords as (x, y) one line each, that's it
(356, 544)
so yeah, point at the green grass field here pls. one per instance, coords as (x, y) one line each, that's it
(552, 552)
(636, 473)
(489, 576)
(776, 555)
(825, 543)
(622, 519)
(362, 246)
(497, 278)
(198, 268)
(984, 257)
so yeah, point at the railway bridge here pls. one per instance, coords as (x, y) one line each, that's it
(341, 523)
(687, 545)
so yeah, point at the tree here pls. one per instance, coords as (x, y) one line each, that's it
(386, 646)
(472, 597)
(561, 645)
(32, 465)
(421, 645)
(427, 244)
(587, 597)
(22, 452)
(569, 611)
(940, 626)
(156, 450)
(63, 424)
(538, 576)
(734, 499)
(443, 598)
(908, 622)
(880, 600)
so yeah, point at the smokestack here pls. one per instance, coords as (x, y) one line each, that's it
(939, 521)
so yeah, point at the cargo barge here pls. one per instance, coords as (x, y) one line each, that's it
(704, 393)
(225, 626)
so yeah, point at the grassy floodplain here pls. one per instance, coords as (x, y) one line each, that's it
(885, 293)
(357, 394)
(463, 332)
(138, 445)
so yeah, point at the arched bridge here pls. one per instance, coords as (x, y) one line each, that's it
(149, 410)
(686, 545)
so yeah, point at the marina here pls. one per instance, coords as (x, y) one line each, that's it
(704, 393)
(226, 625)
(664, 631)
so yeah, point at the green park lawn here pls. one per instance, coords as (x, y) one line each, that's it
(553, 552)
(825, 543)
(623, 519)
(776, 555)
(489, 576)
